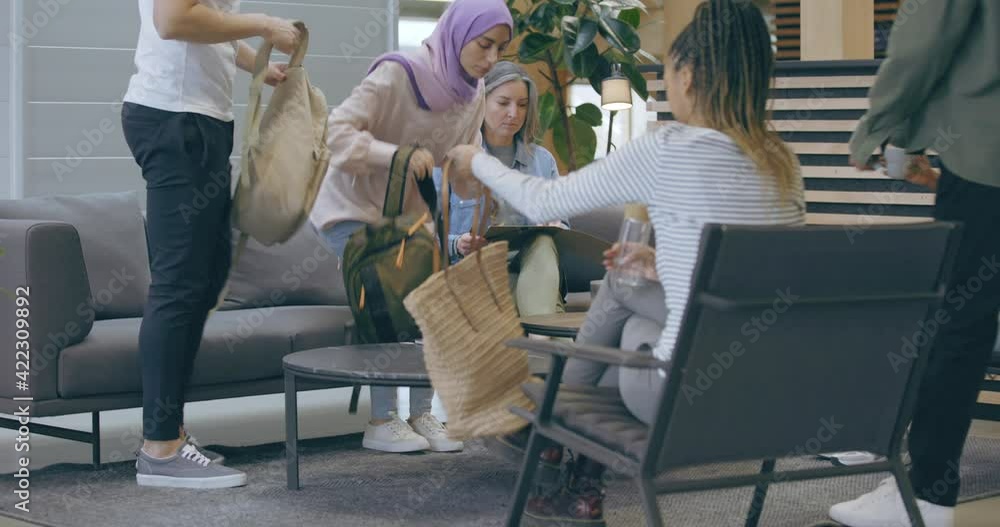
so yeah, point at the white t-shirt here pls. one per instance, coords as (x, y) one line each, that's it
(180, 76)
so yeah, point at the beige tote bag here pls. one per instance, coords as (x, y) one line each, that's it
(284, 155)
(466, 314)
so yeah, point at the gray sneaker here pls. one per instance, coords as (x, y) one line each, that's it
(212, 455)
(188, 469)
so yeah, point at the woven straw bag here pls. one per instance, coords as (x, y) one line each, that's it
(466, 314)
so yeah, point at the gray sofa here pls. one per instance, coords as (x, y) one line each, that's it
(85, 261)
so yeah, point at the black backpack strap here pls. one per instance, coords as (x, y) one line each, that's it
(377, 307)
(396, 187)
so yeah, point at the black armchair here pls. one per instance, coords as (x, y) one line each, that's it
(831, 354)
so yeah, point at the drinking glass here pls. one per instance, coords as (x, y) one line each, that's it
(634, 237)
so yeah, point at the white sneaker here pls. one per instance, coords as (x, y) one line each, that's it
(436, 434)
(883, 507)
(394, 436)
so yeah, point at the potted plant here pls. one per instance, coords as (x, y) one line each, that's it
(578, 39)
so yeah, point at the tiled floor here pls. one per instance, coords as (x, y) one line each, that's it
(259, 420)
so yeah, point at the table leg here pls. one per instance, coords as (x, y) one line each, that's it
(291, 431)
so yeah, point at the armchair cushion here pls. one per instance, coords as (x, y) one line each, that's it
(597, 413)
(113, 237)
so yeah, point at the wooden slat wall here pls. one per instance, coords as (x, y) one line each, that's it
(788, 29)
(816, 107)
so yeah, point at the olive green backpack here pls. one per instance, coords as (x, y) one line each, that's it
(386, 260)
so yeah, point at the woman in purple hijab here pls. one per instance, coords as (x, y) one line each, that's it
(432, 97)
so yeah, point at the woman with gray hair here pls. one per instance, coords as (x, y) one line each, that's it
(509, 133)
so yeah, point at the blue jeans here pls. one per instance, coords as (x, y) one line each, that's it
(384, 398)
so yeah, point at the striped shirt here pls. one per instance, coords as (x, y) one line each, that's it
(686, 176)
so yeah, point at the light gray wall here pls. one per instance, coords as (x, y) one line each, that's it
(78, 65)
(5, 182)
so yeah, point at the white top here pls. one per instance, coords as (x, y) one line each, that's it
(180, 76)
(687, 176)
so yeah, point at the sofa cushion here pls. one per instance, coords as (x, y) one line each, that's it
(239, 345)
(301, 271)
(113, 238)
(604, 223)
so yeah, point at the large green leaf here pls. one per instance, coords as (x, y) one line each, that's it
(584, 141)
(565, 2)
(546, 112)
(534, 46)
(620, 35)
(583, 64)
(588, 29)
(619, 4)
(600, 72)
(544, 18)
(590, 114)
(614, 55)
(631, 17)
(567, 9)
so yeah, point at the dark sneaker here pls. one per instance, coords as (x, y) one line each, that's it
(513, 446)
(578, 502)
(212, 455)
(187, 469)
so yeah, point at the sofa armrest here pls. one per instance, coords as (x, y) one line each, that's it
(42, 262)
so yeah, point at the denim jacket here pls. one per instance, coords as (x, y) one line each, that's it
(539, 163)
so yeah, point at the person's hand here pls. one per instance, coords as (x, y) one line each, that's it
(555, 223)
(869, 164)
(463, 182)
(275, 73)
(468, 243)
(920, 172)
(640, 257)
(283, 34)
(421, 164)
(610, 257)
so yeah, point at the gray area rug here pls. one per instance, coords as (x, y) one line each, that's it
(344, 485)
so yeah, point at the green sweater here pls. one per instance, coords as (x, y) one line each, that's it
(939, 87)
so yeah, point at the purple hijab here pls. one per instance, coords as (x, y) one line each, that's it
(435, 70)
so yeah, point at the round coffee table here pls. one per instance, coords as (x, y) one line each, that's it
(565, 325)
(396, 364)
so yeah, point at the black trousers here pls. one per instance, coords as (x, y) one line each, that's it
(964, 340)
(185, 161)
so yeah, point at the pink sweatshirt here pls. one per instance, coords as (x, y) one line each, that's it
(364, 132)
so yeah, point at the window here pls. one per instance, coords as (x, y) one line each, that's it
(628, 124)
(413, 31)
